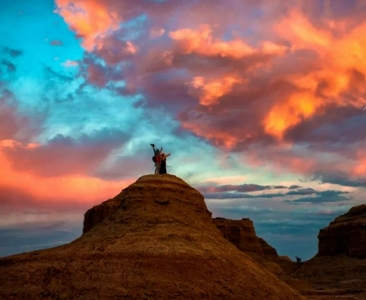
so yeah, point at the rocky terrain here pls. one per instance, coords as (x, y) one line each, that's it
(338, 271)
(155, 240)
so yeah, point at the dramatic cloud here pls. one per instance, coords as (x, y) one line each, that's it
(299, 82)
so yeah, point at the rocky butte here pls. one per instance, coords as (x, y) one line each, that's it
(339, 268)
(157, 241)
(346, 234)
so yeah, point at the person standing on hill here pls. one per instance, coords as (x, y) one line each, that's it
(163, 157)
(156, 158)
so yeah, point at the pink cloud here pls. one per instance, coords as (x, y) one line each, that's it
(64, 155)
(114, 50)
(96, 75)
(23, 188)
(211, 91)
(13, 124)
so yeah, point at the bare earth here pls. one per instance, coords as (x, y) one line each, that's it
(328, 277)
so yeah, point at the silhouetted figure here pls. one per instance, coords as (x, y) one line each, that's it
(156, 158)
(163, 157)
(298, 260)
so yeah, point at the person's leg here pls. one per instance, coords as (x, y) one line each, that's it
(157, 168)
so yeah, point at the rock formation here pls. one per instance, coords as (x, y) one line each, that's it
(268, 251)
(159, 244)
(338, 270)
(99, 212)
(346, 234)
(242, 234)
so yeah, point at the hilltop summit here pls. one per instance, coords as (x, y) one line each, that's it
(160, 243)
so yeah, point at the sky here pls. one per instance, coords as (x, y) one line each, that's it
(260, 104)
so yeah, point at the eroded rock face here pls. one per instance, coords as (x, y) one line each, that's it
(346, 234)
(99, 212)
(159, 244)
(241, 233)
(268, 251)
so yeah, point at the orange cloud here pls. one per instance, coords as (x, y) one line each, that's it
(338, 57)
(217, 136)
(201, 42)
(210, 91)
(89, 19)
(131, 48)
(282, 116)
(67, 189)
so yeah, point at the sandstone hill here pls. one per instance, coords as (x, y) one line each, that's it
(159, 242)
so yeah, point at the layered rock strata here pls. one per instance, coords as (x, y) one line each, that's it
(242, 234)
(346, 234)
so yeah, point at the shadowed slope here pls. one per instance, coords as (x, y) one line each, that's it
(160, 244)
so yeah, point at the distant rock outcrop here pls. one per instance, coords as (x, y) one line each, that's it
(346, 234)
(159, 244)
(242, 234)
